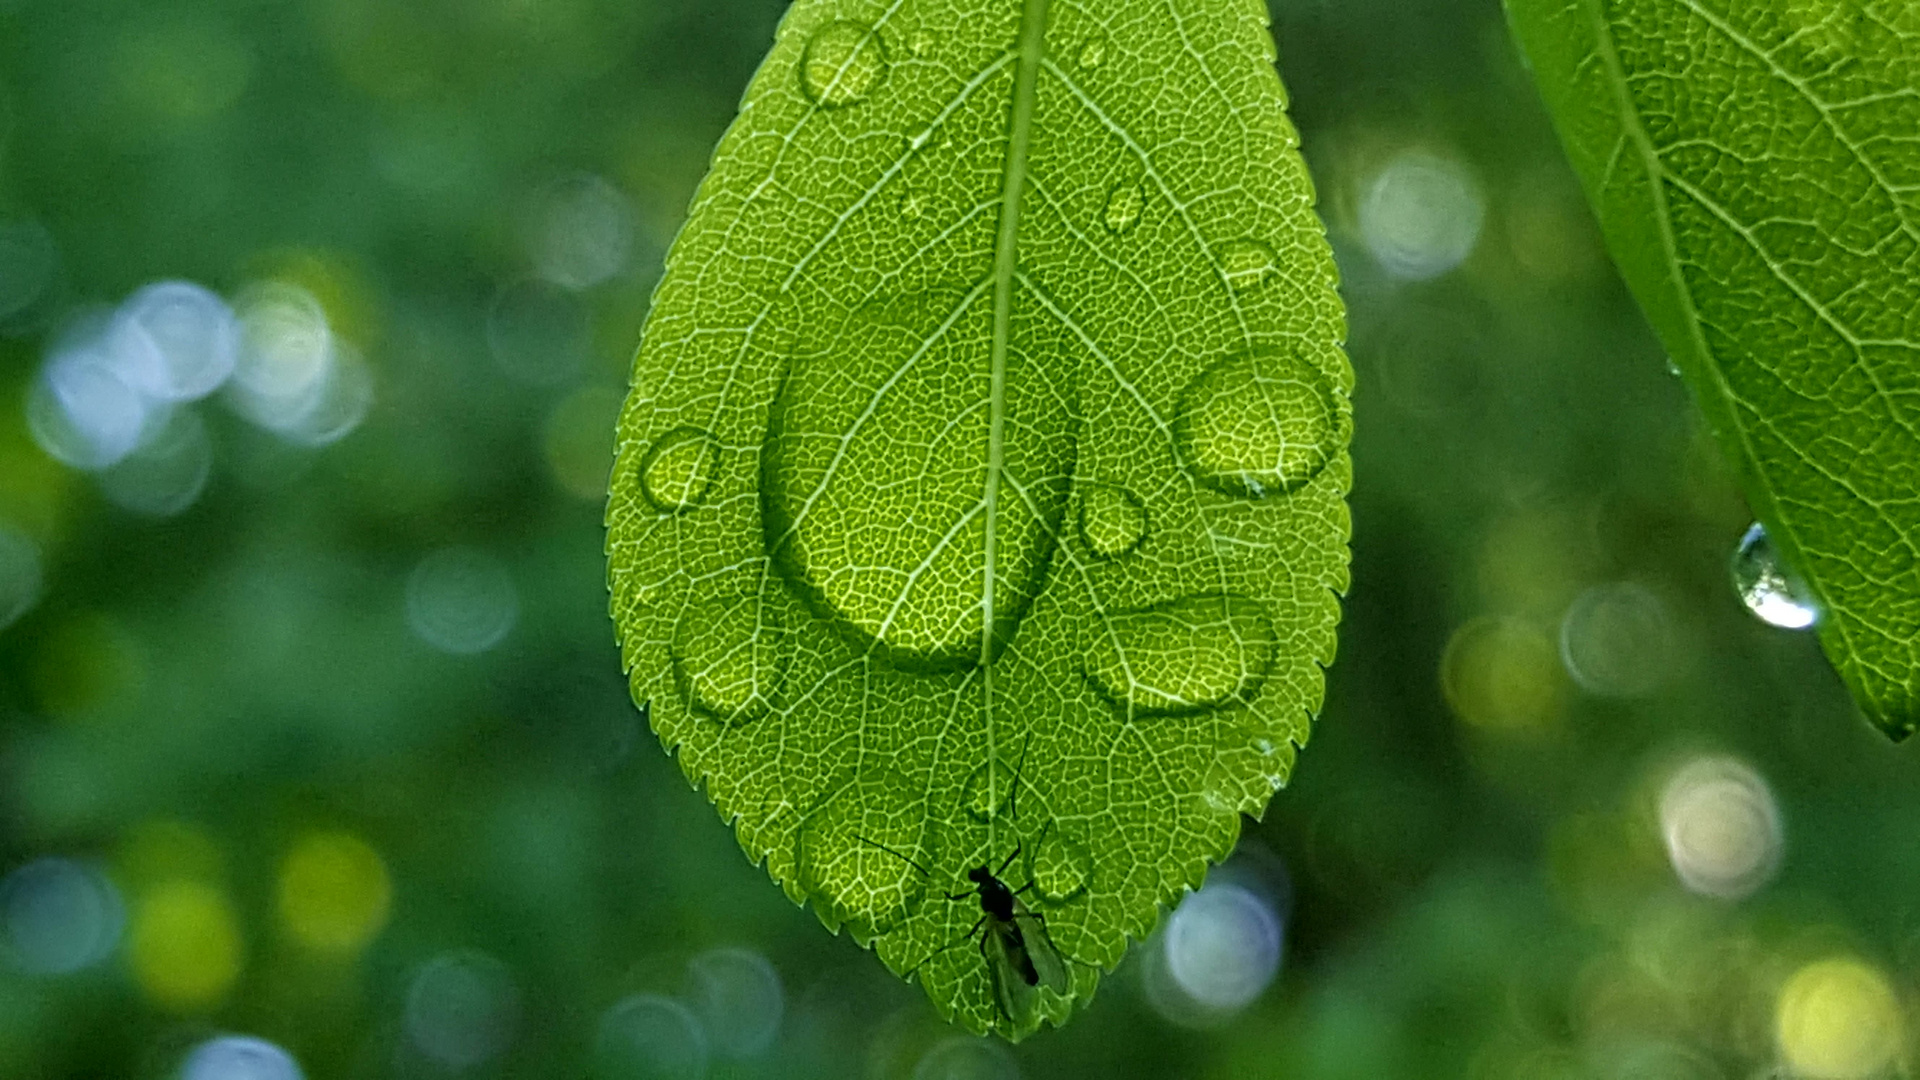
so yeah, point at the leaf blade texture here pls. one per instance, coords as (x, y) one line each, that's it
(1755, 172)
(981, 488)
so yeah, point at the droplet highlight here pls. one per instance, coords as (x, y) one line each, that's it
(730, 657)
(1112, 520)
(1248, 264)
(1769, 588)
(1061, 866)
(678, 471)
(1259, 423)
(1125, 203)
(1094, 52)
(1184, 656)
(842, 64)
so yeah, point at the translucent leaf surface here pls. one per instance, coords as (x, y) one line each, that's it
(991, 423)
(1755, 165)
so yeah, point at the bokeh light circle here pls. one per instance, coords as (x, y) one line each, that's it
(166, 475)
(1223, 946)
(83, 411)
(59, 916)
(582, 233)
(1721, 828)
(649, 1037)
(739, 999)
(462, 1009)
(1617, 640)
(1421, 215)
(1839, 1019)
(334, 892)
(961, 1058)
(185, 945)
(461, 600)
(186, 336)
(239, 1057)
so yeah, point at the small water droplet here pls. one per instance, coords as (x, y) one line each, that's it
(1061, 866)
(913, 204)
(1094, 52)
(1248, 264)
(1263, 746)
(678, 471)
(1184, 656)
(1124, 204)
(1673, 366)
(1258, 423)
(919, 139)
(842, 64)
(1769, 587)
(921, 43)
(1112, 520)
(988, 791)
(729, 655)
(853, 859)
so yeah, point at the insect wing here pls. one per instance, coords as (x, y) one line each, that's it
(1008, 961)
(1046, 959)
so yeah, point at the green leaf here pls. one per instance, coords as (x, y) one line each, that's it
(991, 424)
(1755, 165)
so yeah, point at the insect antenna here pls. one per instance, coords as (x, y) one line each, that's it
(924, 872)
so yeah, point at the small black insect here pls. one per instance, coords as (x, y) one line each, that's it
(1019, 953)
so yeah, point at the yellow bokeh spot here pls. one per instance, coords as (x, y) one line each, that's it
(184, 946)
(334, 892)
(1838, 1019)
(1501, 673)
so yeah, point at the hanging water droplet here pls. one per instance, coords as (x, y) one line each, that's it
(1257, 424)
(842, 64)
(1124, 204)
(1769, 587)
(1673, 366)
(1061, 866)
(1183, 656)
(1248, 264)
(1112, 520)
(988, 791)
(678, 471)
(729, 655)
(1094, 52)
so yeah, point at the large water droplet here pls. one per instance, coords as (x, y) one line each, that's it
(843, 62)
(730, 657)
(679, 470)
(1769, 587)
(1094, 52)
(988, 791)
(1124, 204)
(860, 863)
(1183, 656)
(1112, 520)
(1248, 264)
(1061, 866)
(1258, 423)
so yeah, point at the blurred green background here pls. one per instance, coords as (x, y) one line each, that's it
(315, 758)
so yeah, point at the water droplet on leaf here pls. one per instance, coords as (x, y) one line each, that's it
(1124, 204)
(842, 64)
(729, 656)
(988, 790)
(678, 470)
(1112, 520)
(1247, 264)
(1257, 424)
(850, 875)
(1770, 588)
(1061, 866)
(1184, 656)
(1094, 52)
